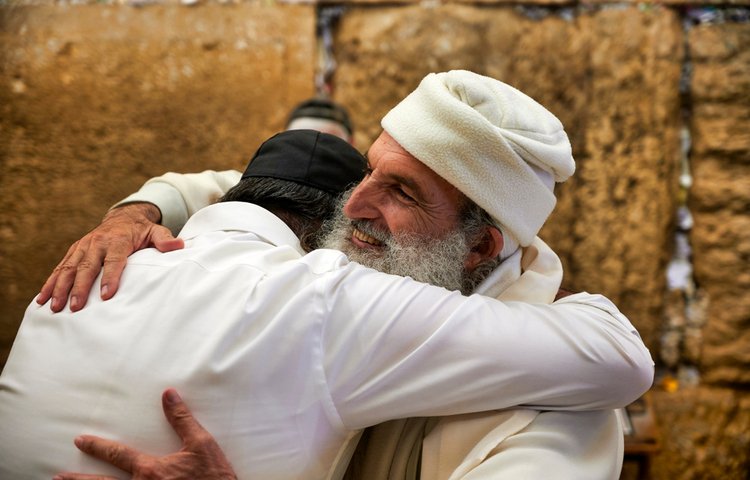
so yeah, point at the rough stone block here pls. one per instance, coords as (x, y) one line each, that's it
(95, 99)
(705, 434)
(720, 196)
(719, 185)
(383, 53)
(721, 128)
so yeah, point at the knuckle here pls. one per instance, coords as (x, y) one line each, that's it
(113, 259)
(97, 236)
(85, 265)
(146, 470)
(73, 247)
(181, 413)
(66, 267)
(115, 454)
(202, 440)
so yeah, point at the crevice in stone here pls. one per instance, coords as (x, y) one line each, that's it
(685, 304)
(327, 17)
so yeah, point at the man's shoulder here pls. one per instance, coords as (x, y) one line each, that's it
(587, 298)
(597, 301)
(325, 260)
(333, 266)
(238, 217)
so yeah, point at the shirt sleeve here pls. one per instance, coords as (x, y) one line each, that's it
(397, 348)
(179, 195)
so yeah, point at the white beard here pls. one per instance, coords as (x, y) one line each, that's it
(435, 261)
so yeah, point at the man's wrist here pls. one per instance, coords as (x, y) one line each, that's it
(137, 211)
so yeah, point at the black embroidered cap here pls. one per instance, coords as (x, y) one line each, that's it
(310, 158)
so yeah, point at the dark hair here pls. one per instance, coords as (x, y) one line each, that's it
(474, 222)
(302, 208)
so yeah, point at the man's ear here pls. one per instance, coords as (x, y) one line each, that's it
(489, 246)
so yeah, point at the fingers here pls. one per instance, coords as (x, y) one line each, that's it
(170, 244)
(80, 476)
(117, 258)
(59, 283)
(73, 276)
(164, 241)
(181, 419)
(85, 275)
(122, 231)
(117, 454)
(111, 274)
(200, 456)
(110, 258)
(196, 441)
(46, 292)
(79, 273)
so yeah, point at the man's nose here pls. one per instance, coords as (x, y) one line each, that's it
(361, 203)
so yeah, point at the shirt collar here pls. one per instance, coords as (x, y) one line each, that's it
(241, 217)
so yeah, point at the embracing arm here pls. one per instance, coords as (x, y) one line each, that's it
(422, 351)
(147, 218)
(179, 195)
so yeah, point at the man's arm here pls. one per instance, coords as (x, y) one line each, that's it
(135, 223)
(396, 348)
(179, 195)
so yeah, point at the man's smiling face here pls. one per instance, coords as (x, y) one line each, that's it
(406, 220)
(401, 196)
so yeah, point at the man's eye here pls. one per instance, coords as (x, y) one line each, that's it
(403, 194)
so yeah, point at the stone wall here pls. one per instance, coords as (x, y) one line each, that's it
(721, 195)
(706, 428)
(705, 434)
(95, 99)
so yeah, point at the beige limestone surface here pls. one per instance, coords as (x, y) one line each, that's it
(720, 197)
(96, 99)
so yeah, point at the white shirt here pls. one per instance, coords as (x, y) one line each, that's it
(284, 356)
(521, 443)
(516, 443)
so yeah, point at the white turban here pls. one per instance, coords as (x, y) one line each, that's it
(495, 144)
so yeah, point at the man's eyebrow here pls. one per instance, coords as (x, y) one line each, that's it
(411, 184)
(408, 182)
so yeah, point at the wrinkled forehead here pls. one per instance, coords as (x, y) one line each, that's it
(395, 163)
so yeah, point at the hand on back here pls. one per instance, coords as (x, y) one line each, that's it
(200, 455)
(106, 248)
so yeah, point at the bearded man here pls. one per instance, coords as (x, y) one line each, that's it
(464, 169)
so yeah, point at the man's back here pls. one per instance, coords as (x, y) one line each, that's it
(216, 320)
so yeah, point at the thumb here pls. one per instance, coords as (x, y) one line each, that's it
(164, 241)
(180, 417)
